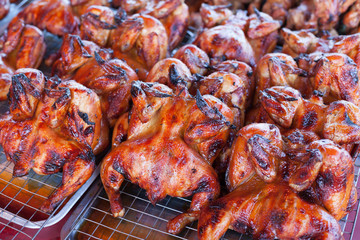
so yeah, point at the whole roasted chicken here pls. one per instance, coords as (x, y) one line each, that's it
(277, 186)
(173, 14)
(140, 40)
(172, 140)
(21, 46)
(52, 126)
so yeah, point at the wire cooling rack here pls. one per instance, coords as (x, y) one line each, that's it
(92, 219)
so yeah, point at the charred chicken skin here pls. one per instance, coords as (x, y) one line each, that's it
(338, 121)
(111, 80)
(268, 178)
(240, 37)
(173, 14)
(172, 140)
(74, 53)
(140, 40)
(52, 126)
(56, 16)
(21, 46)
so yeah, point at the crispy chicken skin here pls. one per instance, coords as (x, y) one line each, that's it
(194, 58)
(240, 37)
(80, 7)
(52, 126)
(277, 69)
(111, 80)
(21, 46)
(171, 72)
(140, 40)
(56, 16)
(172, 140)
(96, 24)
(173, 14)
(322, 15)
(338, 121)
(268, 177)
(74, 53)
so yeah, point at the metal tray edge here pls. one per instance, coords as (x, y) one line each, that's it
(58, 216)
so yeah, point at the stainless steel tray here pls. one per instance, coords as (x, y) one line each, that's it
(92, 218)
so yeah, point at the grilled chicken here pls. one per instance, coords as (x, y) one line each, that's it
(338, 121)
(21, 46)
(323, 15)
(80, 7)
(240, 37)
(96, 24)
(111, 80)
(172, 140)
(140, 40)
(74, 53)
(173, 14)
(55, 16)
(52, 126)
(277, 186)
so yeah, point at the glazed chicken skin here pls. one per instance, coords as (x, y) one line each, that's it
(240, 37)
(173, 14)
(266, 184)
(21, 46)
(140, 40)
(111, 80)
(96, 24)
(194, 58)
(323, 15)
(74, 53)
(55, 16)
(80, 7)
(277, 69)
(52, 126)
(338, 121)
(172, 140)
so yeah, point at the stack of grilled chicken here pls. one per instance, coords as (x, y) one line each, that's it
(250, 107)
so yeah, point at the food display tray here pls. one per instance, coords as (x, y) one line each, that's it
(92, 218)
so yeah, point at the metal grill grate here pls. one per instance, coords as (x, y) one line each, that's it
(92, 218)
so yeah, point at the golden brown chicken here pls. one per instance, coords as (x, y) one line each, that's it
(21, 46)
(194, 58)
(213, 15)
(323, 15)
(96, 24)
(111, 80)
(171, 72)
(74, 53)
(173, 14)
(338, 121)
(278, 69)
(4, 8)
(240, 37)
(172, 140)
(139, 40)
(266, 185)
(52, 126)
(55, 16)
(351, 19)
(81, 6)
(6, 73)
